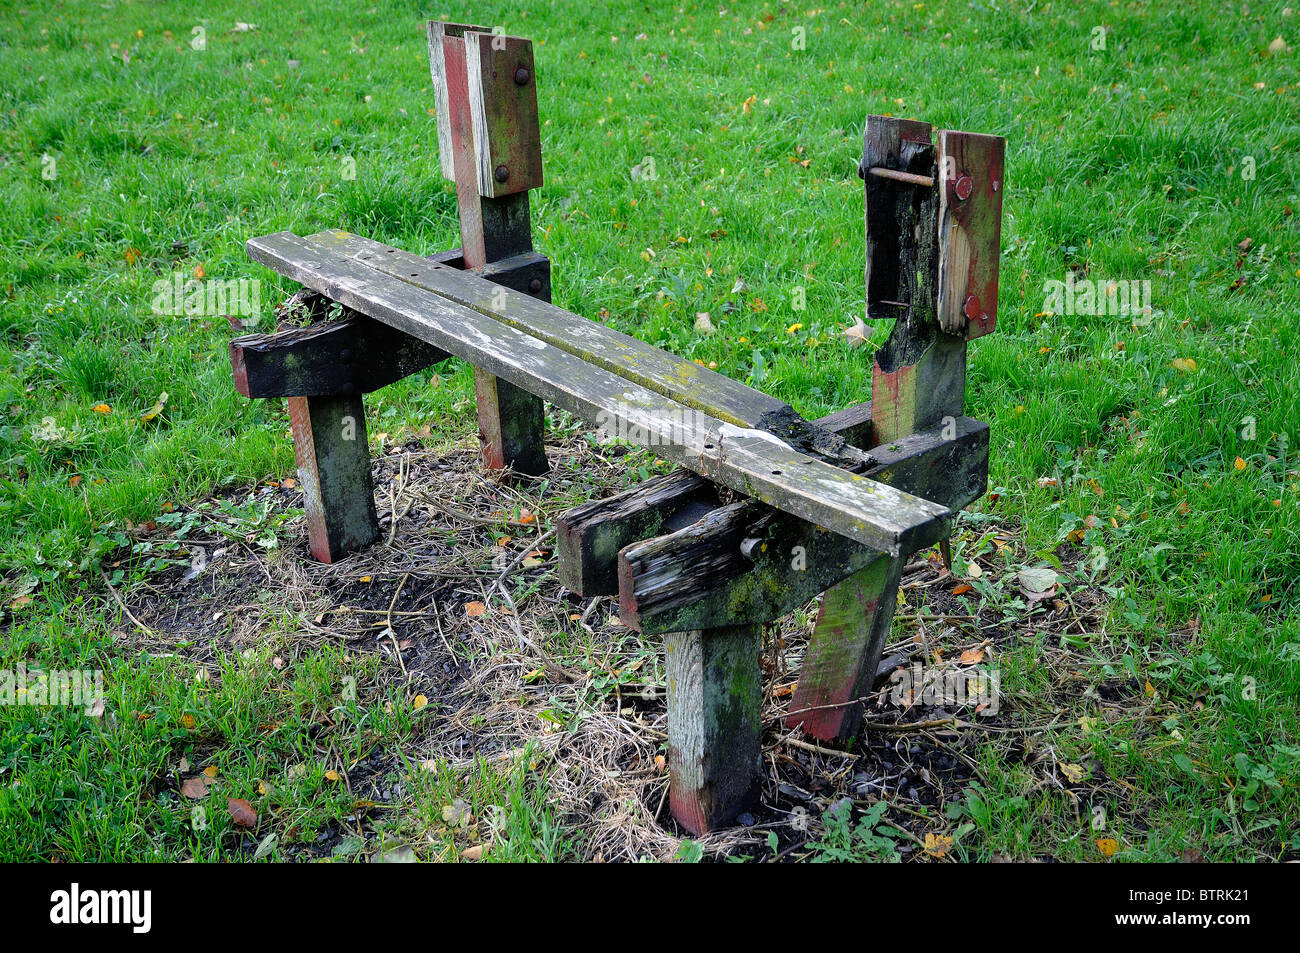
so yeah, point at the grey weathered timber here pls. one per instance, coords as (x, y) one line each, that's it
(752, 462)
(653, 368)
(353, 355)
(329, 439)
(589, 536)
(946, 465)
(744, 563)
(715, 696)
(503, 109)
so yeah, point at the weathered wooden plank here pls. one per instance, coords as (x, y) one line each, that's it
(947, 465)
(740, 563)
(438, 69)
(503, 109)
(664, 373)
(970, 231)
(897, 270)
(749, 461)
(353, 355)
(588, 537)
(842, 658)
(329, 440)
(714, 724)
(851, 423)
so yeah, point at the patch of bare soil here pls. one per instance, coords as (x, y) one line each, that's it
(542, 666)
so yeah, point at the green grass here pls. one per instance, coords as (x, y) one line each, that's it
(1122, 163)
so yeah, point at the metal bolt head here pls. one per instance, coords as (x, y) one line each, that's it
(522, 76)
(535, 285)
(502, 173)
(963, 187)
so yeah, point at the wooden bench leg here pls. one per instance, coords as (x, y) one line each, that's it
(511, 424)
(329, 439)
(844, 651)
(714, 724)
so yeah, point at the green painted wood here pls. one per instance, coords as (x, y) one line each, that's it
(844, 652)
(329, 438)
(715, 695)
(752, 462)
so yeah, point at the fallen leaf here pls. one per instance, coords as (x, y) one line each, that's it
(702, 323)
(420, 701)
(398, 855)
(331, 775)
(267, 845)
(973, 570)
(858, 333)
(241, 811)
(962, 589)
(1185, 364)
(211, 770)
(195, 787)
(1047, 481)
(972, 656)
(1073, 772)
(1108, 846)
(456, 813)
(187, 720)
(102, 409)
(475, 609)
(938, 845)
(1037, 581)
(1277, 46)
(473, 853)
(1239, 464)
(289, 483)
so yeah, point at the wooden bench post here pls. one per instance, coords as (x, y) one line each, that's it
(490, 145)
(932, 266)
(715, 699)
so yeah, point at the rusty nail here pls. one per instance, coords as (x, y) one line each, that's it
(502, 173)
(535, 285)
(972, 306)
(521, 76)
(963, 187)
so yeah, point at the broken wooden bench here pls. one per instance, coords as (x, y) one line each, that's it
(767, 509)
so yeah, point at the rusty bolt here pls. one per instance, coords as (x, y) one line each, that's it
(345, 355)
(535, 285)
(963, 187)
(972, 307)
(502, 173)
(522, 76)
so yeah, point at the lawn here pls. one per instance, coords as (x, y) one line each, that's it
(1149, 461)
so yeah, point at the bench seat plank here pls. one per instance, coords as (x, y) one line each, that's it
(660, 371)
(749, 461)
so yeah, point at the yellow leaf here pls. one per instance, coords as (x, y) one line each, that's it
(187, 720)
(210, 770)
(102, 409)
(263, 788)
(1184, 364)
(1107, 846)
(793, 328)
(1073, 772)
(475, 609)
(1087, 724)
(421, 701)
(1150, 689)
(972, 656)
(331, 775)
(156, 409)
(365, 578)
(527, 517)
(938, 845)
(1239, 464)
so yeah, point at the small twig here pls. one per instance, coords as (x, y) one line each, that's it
(140, 625)
(397, 649)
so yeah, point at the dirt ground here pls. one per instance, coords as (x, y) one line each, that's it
(494, 676)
